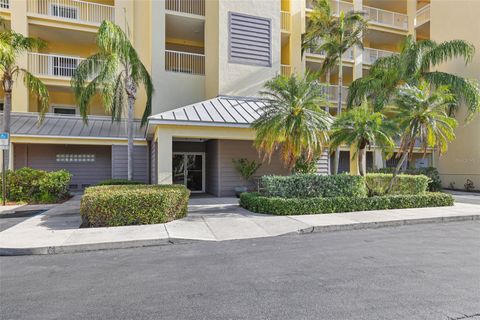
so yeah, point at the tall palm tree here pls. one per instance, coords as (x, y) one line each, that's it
(362, 128)
(334, 37)
(116, 71)
(416, 62)
(12, 46)
(293, 119)
(422, 116)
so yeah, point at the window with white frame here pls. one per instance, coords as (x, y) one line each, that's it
(75, 157)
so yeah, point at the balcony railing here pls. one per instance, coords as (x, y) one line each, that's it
(347, 56)
(387, 18)
(285, 21)
(336, 5)
(422, 16)
(332, 93)
(186, 6)
(75, 10)
(371, 55)
(185, 62)
(52, 65)
(4, 4)
(285, 70)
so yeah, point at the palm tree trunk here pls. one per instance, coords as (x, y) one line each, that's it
(362, 155)
(336, 160)
(396, 171)
(7, 110)
(131, 106)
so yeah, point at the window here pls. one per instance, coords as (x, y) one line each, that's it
(57, 10)
(250, 40)
(64, 110)
(75, 157)
(64, 66)
(1, 106)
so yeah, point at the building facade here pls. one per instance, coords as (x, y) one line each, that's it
(208, 60)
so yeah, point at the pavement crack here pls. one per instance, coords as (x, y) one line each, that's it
(465, 316)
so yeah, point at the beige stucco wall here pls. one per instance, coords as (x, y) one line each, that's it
(232, 78)
(462, 161)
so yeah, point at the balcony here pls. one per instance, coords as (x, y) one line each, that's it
(387, 18)
(336, 5)
(285, 21)
(422, 16)
(347, 56)
(371, 55)
(196, 7)
(332, 93)
(185, 62)
(285, 70)
(71, 10)
(51, 65)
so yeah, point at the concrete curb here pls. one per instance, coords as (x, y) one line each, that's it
(385, 224)
(169, 241)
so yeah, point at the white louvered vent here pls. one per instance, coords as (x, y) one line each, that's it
(250, 40)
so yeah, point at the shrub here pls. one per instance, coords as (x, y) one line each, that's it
(297, 206)
(106, 206)
(312, 185)
(116, 182)
(435, 183)
(377, 183)
(37, 186)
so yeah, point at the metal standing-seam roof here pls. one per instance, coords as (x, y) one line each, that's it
(221, 111)
(27, 124)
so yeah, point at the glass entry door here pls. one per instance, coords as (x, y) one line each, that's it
(188, 169)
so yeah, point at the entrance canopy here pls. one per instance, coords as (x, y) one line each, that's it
(223, 111)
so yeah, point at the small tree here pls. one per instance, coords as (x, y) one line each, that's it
(116, 71)
(422, 116)
(362, 128)
(293, 120)
(246, 168)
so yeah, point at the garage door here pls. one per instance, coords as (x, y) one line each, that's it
(87, 164)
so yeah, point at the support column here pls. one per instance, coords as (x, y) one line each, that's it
(412, 13)
(164, 157)
(19, 24)
(297, 26)
(378, 161)
(357, 73)
(354, 167)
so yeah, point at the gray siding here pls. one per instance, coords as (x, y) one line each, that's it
(153, 162)
(140, 163)
(233, 149)
(211, 167)
(43, 156)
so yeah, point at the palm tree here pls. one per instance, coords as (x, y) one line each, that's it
(335, 36)
(12, 46)
(422, 116)
(362, 128)
(293, 120)
(416, 62)
(116, 71)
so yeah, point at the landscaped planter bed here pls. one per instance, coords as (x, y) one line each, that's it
(256, 202)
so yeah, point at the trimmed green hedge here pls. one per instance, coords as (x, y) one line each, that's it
(435, 183)
(117, 182)
(405, 184)
(106, 206)
(37, 186)
(313, 185)
(297, 206)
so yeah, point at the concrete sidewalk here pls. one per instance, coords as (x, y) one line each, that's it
(209, 219)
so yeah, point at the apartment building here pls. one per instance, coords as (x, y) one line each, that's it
(208, 60)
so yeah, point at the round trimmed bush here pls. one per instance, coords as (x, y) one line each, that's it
(121, 205)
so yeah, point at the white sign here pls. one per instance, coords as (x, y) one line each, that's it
(4, 141)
